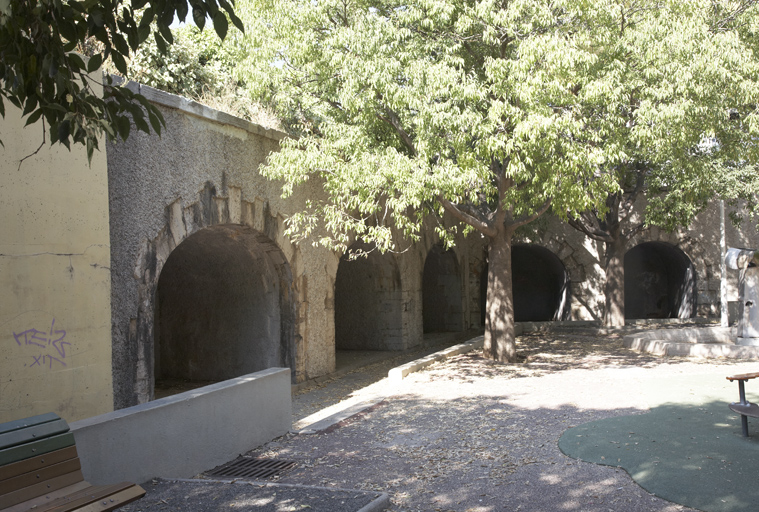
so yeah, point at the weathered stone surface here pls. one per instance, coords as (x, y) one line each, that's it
(203, 174)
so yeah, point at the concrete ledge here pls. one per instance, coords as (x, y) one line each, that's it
(322, 424)
(400, 372)
(707, 342)
(595, 324)
(185, 434)
(196, 109)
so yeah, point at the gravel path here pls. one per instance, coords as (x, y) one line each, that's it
(472, 435)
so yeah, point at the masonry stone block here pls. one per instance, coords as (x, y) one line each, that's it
(176, 222)
(248, 214)
(565, 251)
(235, 206)
(222, 209)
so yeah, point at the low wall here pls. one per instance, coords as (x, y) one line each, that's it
(185, 434)
(705, 342)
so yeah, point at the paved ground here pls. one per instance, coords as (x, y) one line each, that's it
(688, 448)
(215, 496)
(471, 435)
(357, 370)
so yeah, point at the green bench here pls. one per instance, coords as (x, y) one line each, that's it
(40, 471)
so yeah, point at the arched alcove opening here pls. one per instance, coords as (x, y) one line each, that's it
(540, 285)
(368, 303)
(660, 282)
(223, 307)
(442, 308)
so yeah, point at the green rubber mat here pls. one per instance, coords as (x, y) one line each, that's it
(688, 449)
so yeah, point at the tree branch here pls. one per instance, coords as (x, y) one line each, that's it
(393, 120)
(634, 231)
(732, 16)
(521, 221)
(486, 228)
(594, 234)
(44, 134)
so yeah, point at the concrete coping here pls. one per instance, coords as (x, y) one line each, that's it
(185, 434)
(400, 372)
(172, 400)
(704, 342)
(196, 109)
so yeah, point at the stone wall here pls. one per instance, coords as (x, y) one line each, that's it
(699, 243)
(201, 176)
(199, 182)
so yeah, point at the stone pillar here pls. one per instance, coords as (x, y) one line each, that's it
(747, 261)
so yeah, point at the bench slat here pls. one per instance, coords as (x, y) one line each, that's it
(46, 499)
(40, 471)
(743, 376)
(35, 463)
(41, 447)
(40, 475)
(96, 498)
(26, 422)
(32, 491)
(116, 500)
(33, 433)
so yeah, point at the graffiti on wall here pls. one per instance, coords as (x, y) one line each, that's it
(50, 346)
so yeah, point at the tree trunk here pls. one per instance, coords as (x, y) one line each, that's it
(614, 286)
(499, 318)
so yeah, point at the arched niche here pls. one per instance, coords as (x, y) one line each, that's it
(540, 285)
(223, 307)
(660, 282)
(441, 292)
(368, 302)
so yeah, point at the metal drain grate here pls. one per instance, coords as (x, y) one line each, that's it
(248, 467)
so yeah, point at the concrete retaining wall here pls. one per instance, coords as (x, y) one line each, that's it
(185, 434)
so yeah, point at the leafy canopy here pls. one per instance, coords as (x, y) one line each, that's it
(41, 73)
(674, 93)
(406, 108)
(493, 110)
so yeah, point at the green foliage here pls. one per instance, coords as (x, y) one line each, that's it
(197, 66)
(673, 94)
(491, 110)
(41, 73)
(408, 108)
(190, 66)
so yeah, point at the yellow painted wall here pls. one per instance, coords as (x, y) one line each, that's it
(55, 328)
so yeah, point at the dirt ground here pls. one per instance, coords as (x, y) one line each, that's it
(472, 435)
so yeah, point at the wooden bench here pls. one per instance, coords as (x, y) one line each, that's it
(743, 406)
(40, 471)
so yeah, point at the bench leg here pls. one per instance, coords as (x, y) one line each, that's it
(744, 418)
